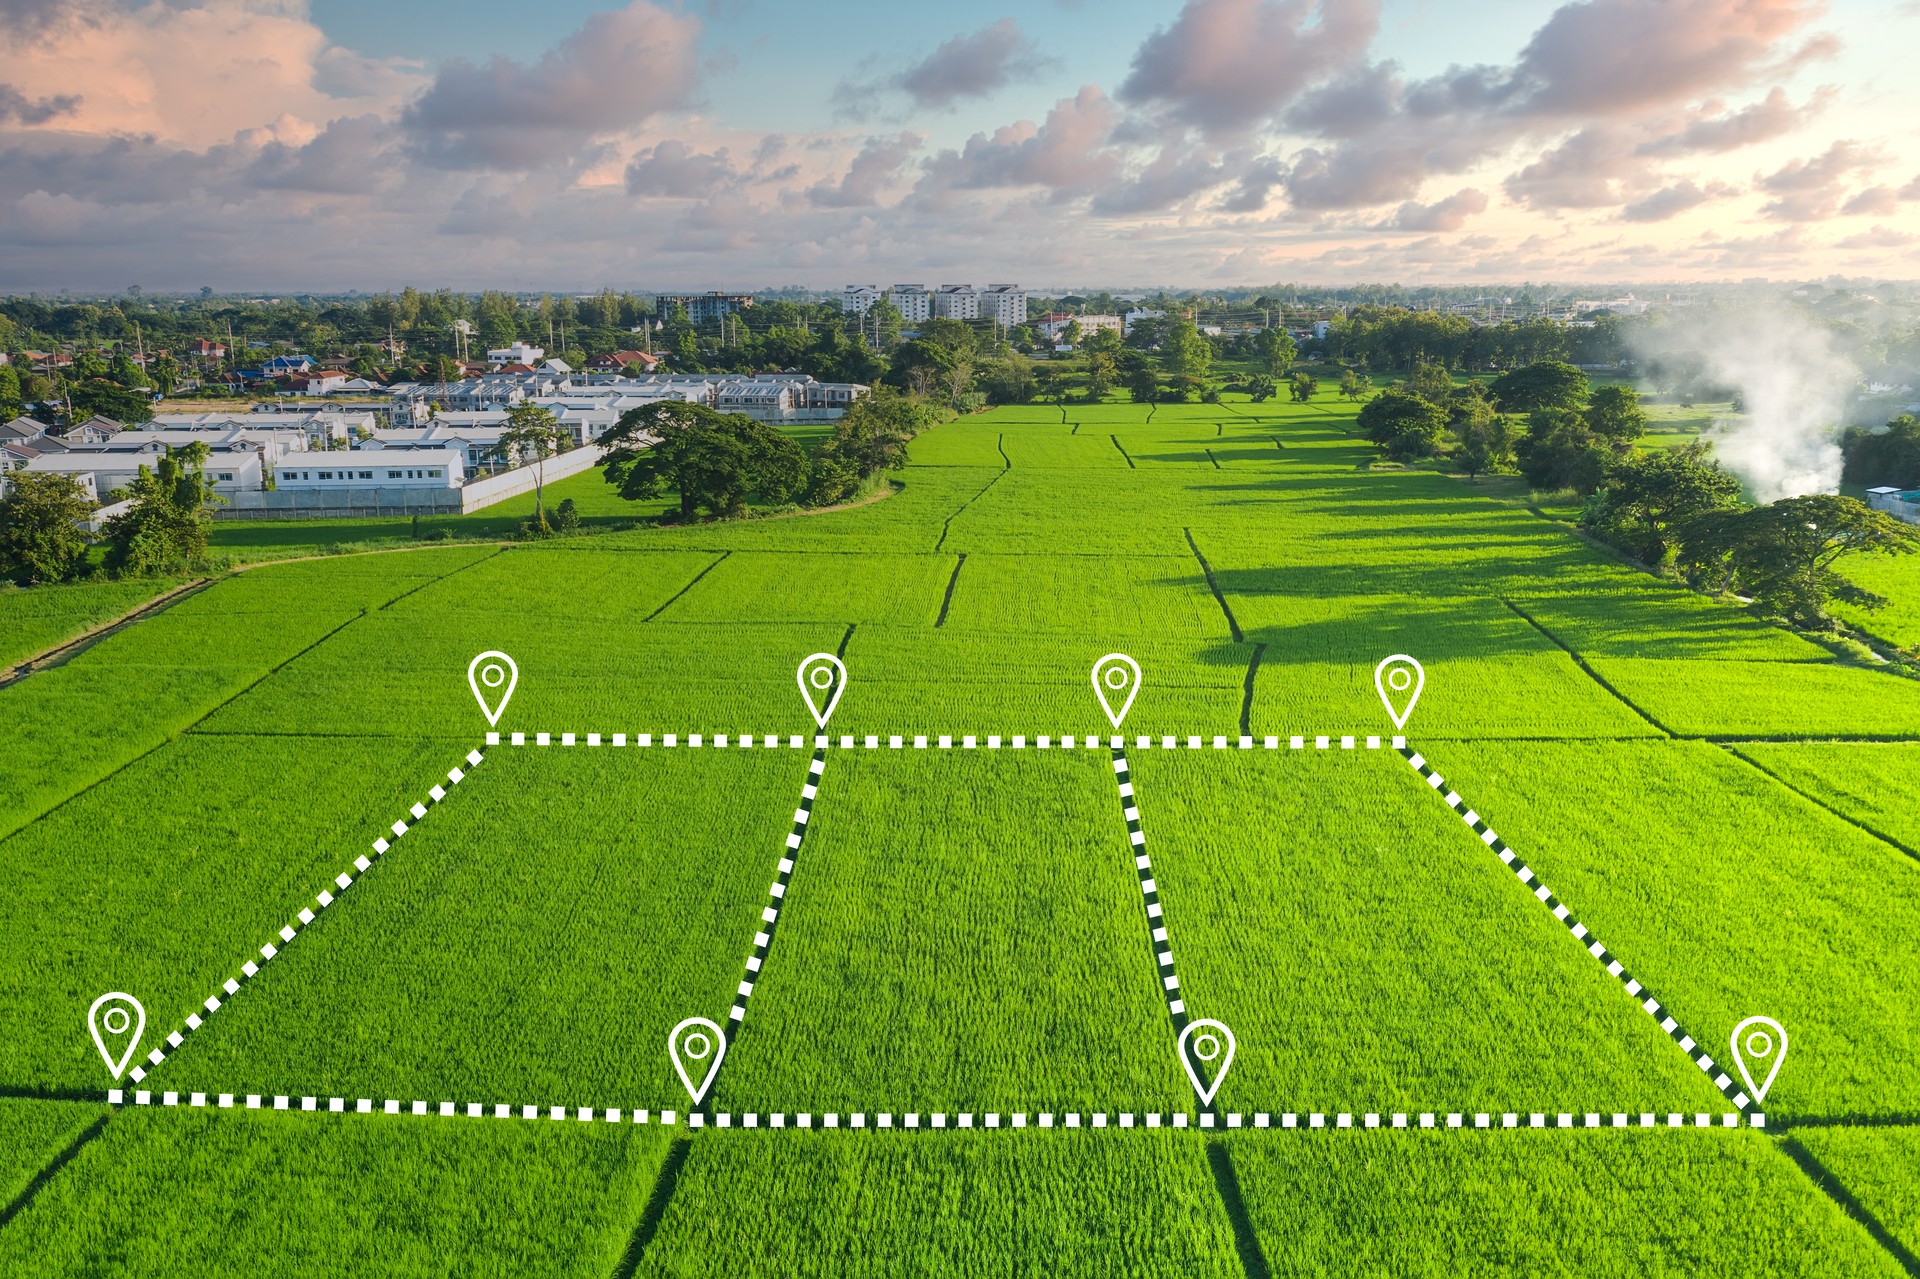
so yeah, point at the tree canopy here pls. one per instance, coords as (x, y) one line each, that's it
(167, 524)
(715, 461)
(1781, 555)
(1407, 426)
(1546, 384)
(40, 537)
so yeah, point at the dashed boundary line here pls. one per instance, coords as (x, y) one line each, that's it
(939, 1121)
(1728, 1087)
(947, 741)
(288, 932)
(777, 894)
(1143, 867)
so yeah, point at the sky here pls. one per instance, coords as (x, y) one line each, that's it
(310, 145)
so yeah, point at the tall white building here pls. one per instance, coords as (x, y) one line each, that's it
(858, 299)
(956, 302)
(913, 302)
(1004, 303)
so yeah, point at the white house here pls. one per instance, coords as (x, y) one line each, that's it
(913, 302)
(956, 302)
(858, 299)
(441, 467)
(1054, 327)
(518, 353)
(1004, 303)
(230, 472)
(1134, 316)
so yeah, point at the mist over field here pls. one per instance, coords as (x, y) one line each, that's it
(1793, 381)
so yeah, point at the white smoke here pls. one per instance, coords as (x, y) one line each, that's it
(1795, 384)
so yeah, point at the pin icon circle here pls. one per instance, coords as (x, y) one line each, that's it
(1203, 1044)
(823, 677)
(1399, 680)
(1116, 682)
(1758, 1042)
(123, 1013)
(492, 677)
(695, 1040)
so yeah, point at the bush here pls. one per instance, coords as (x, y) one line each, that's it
(566, 517)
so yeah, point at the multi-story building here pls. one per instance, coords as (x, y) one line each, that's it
(858, 299)
(912, 301)
(1004, 304)
(707, 308)
(956, 302)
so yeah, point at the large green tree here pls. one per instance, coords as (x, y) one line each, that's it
(1889, 456)
(1782, 555)
(167, 524)
(1545, 384)
(1649, 496)
(532, 436)
(40, 537)
(1559, 452)
(1614, 414)
(870, 437)
(1404, 425)
(1274, 352)
(1483, 439)
(715, 461)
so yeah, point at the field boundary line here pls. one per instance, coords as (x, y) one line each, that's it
(1581, 662)
(60, 654)
(1815, 800)
(1728, 1087)
(1123, 452)
(1211, 458)
(52, 1169)
(719, 559)
(1246, 1240)
(1206, 570)
(1246, 694)
(325, 898)
(966, 1120)
(444, 577)
(946, 601)
(1813, 1170)
(776, 897)
(1150, 895)
(942, 741)
(947, 527)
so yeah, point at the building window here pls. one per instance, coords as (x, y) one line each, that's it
(224, 475)
(366, 475)
(326, 475)
(433, 474)
(393, 475)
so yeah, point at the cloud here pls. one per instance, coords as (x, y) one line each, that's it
(612, 74)
(17, 108)
(1449, 214)
(1177, 173)
(341, 160)
(1808, 190)
(878, 163)
(1770, 118)
(671, 168)
(1879, 237)
(971, 66)
(1065, 153)
(1226, 65)
(1876, 201)
(1672, 201)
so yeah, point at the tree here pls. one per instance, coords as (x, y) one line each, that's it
(1649, 496)
(870, 437)
(1559, 452)
(1614, 414)
(1260, 388)
(1431, 382)
(1142, 385)
(1782, 555)
(1483, 439)
(1406, 426)
(1184, 353)
(40, 537)
(1353, 384)
(1890, 456)
(533, 435)
(1101, 375)
(165, 372)
(12, 399)
(1274, 352)
(167, 524)
(714, 460)
(1546, 384)
(110, 399)
(1303, 387)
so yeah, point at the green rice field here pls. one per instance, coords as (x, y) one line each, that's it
(411, 976)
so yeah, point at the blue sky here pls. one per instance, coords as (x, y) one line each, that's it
(738, 143)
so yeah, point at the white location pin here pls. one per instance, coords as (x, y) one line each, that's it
(1116, 679)
(1206, 1045)
(822, 679)
(1765, 1044)
(1399, 679)
(702, 1047)
(492, 675)
(123, 1015)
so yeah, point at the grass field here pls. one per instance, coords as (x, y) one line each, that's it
(965, 932)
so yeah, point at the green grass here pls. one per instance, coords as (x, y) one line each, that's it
(1744, 698)
(231, 1194)
(1610, 1204)
(32, 1135)
(34, 620)
(1880, 1167)
(1871, 782)
(795, 1204)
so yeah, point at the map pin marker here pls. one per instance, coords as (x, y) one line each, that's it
(1206, 1046)
(701, 1046)
(1764, 1045)
(123, 1014)
(491, 675)
(1116, 679)
(822, 679)
(1397, 679)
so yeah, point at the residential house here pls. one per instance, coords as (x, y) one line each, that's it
(913, 302)
(520, 353)
(1004, 304)
(392, 467)
(858, 299)
(620, 361)
(956, 302)
(286, 365)
(708, 308)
